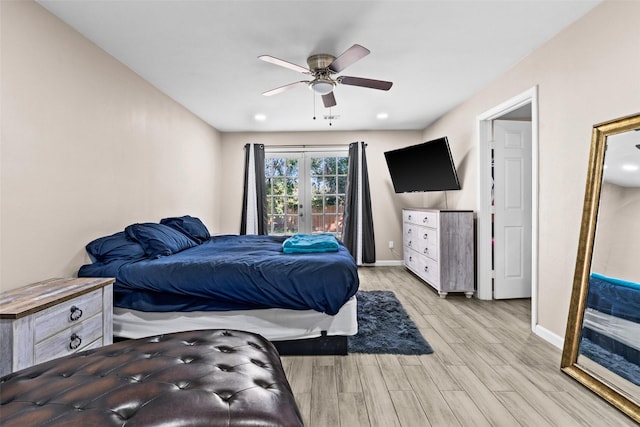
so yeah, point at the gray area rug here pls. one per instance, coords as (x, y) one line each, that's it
(384, 327)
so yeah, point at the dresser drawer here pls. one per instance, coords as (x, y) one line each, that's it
(411, 260)
(430, 271)
(428, 219)
(428, 242)
(59, 317)
(76, 338)
(409, 216)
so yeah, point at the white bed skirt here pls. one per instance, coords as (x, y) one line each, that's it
(622, 330)
(275, 324)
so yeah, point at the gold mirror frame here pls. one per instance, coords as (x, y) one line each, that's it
(569, 362)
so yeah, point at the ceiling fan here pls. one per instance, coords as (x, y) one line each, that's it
(322, 67)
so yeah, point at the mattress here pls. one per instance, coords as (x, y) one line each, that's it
(274, 324)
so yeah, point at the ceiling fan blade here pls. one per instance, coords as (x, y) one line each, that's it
(348, 57)
(370, 83)
(329, 100)
(285, 64)
(283, 88)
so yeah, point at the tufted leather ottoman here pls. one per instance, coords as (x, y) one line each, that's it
(197, 378)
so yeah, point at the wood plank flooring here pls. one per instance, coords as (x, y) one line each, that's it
(488, 369)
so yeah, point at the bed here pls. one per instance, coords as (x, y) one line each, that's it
(174, 276)
(611, 333)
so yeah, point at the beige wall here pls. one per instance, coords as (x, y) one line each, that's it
(585, 75)
(386, 205)
(88, 147)
(617, 243)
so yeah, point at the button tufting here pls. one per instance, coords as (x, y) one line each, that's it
(182, 384)
(262, 383)
(102, 394)
(225, 395)
(258, 363)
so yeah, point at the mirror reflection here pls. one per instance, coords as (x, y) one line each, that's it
(610, 342)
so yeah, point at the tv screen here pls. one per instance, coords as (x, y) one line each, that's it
(423, 167)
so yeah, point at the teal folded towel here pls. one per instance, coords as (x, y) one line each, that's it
(308, 243)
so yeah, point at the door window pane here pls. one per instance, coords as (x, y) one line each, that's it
(329, 179)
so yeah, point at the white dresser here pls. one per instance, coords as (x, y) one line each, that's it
(54, 318)
(438, 247)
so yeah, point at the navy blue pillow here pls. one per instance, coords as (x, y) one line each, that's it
(159, 239)
(116, 246)
(189, 226)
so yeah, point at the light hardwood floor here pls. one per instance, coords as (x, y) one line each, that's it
(487, 369)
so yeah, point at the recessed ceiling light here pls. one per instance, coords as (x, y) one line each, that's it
(630, 167)
(382, 116)
(260, 117)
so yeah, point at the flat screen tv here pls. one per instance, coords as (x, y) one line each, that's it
(423, 167)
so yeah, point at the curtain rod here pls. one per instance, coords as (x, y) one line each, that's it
(308, 146)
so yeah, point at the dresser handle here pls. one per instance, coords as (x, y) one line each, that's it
(76, 313)
(426, 236)
(425, 219)
(75, 342)
(426, 269)
(409, 217)
(409, 244)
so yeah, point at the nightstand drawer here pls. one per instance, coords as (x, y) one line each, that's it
(69, 313)
(70, 340)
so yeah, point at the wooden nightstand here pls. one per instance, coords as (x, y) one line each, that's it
(54, 318)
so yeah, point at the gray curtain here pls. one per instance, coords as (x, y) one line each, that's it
(357, 230)
(254, 199)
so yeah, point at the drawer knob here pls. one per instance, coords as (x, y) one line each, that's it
(409, 217)
(426, 236)
(409, 244)
(425, 219)
(76, 313)
(75, 342)
(426, 269)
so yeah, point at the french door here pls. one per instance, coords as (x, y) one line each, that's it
(305, 191)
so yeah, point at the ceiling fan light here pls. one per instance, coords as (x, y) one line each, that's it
(321, 86)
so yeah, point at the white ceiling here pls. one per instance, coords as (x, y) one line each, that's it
(204, 54)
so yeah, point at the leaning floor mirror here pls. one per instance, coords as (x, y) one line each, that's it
(602, 341)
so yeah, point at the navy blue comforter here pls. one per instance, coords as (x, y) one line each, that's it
(616, 297)
(232, 273)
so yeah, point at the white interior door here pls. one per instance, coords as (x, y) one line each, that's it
(512, 209)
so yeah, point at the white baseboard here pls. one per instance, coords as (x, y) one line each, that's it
(550, 337)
